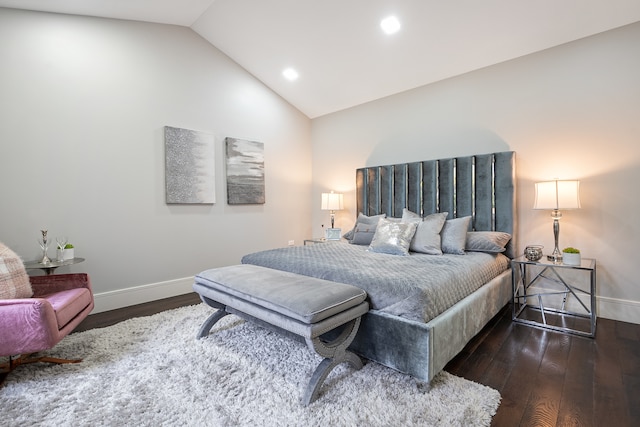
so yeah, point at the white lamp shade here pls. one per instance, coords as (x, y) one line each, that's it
(332, 202)
(557, 195)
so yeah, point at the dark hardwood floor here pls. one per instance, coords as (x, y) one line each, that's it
(108, 318)
(545, 378)
(552, 379)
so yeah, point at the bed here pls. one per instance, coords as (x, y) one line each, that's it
(425, 306)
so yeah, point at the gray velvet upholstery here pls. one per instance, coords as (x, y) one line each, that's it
(277, 319)
(423, 349)
(292, 295)
(482, 186)
(292, 304)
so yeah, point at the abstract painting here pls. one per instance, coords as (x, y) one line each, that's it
(245, 172)
(189, 166)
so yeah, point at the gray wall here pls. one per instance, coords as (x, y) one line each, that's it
(571, 112)
(83, 102)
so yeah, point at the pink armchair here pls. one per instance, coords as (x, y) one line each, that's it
(32, 324)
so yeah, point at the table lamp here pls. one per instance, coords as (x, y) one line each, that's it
(556, 195)
(332, 202)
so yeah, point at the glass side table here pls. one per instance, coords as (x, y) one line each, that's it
(314, 241)
(317, 240)
(552, 296)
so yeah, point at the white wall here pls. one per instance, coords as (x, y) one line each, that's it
(83, 102)
(571, 112)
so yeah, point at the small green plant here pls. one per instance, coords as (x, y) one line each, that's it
(570, 250)
(68, 246)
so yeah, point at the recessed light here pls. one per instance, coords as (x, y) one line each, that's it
(390, 24)
(290, 74)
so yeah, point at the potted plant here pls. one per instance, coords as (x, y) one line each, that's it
(571, 256)
(66, 252)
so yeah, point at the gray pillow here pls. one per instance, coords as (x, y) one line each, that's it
(363, 219)
(363, 234)
(392, 237)
(427, 237)
(408, 215)
(454, 235)
(487, 241)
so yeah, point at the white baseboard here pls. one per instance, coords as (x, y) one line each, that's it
(618, 309)
(111, 300)
(608, 308)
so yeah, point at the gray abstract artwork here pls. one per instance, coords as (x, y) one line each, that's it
(189, 166)
(245, 172)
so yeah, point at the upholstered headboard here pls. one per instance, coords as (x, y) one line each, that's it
(482, 186)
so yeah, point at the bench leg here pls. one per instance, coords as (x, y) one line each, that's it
(208, 324)
(323, 370)
(335, 353)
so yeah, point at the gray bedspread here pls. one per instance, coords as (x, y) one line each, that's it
(417, 287)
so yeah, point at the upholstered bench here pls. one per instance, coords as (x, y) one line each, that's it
(289, 303)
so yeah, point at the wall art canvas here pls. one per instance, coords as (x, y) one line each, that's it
(245, 171)
(189, 166)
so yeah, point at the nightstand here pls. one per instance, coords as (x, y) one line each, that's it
(318, 240)
(555, 296)
(314, 241)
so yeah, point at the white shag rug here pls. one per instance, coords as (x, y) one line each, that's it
(152, 371)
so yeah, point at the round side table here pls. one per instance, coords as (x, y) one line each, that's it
(50, 267)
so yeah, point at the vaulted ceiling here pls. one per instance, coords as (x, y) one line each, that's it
(342, 56)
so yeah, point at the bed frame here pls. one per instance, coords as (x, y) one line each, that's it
(482, 186)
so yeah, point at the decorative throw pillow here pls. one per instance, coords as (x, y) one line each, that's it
(454, 235)
(365, 222)
(349, 234)
(408, 215)
(487, 241)
(427, 237)
(364, 233)
(14, 281)
(392, 237)
(393, 219)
